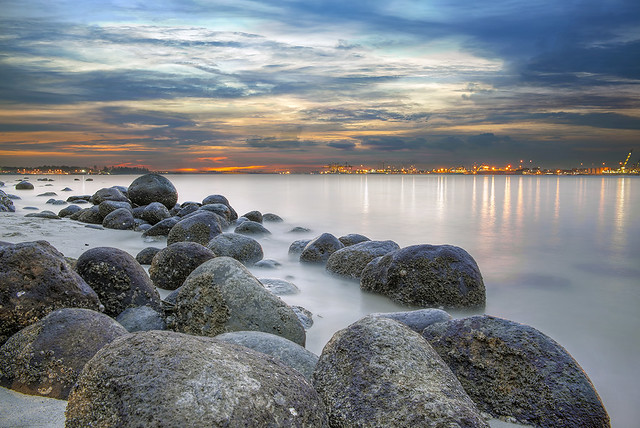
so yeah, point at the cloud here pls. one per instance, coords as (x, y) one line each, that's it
(596, 120)
(276, 143)
(393, 143)
(342, 145)
(487, 139)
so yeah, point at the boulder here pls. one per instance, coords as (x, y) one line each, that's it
(88, 215)
(221, 295)
(417, 320)
(79, 198)
(199, 227)
(296, 247)
(171, 380)
(427, 276)
(69, 211)
(107, 207)
(56, 202)
(108, 194)
(350, 261)
(219, 199)
(289, 353)
(35, 280)
(67, 189)
(513, 370)
(153, 188)
(154, 213)
(254, 216)
(161, 228)
(187, 208)
(141, 318)
(353, 238)
(319, 249)
(220, 209)
(299, 229)
(242, 248)
(250, 227)
(120, 219)
(47, 357)
(24, 185)
(44, 214)
(173, 264)
(6, 204)
(279, 287)
(48, 194)
(273, 218)
(145, 256)
(118, 279)
(379, 371)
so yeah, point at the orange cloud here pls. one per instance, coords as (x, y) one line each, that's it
(216, 159)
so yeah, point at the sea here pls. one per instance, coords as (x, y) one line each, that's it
(559, 253)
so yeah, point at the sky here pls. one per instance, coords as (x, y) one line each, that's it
(243, 85)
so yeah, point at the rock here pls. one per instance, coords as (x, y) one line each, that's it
(120, 219)
(24, 185)
(155, 212)
(187, 208)
(46, 358)
(141, 318)
(219, 199)
(514, 370)
(174, 380)
(56, 202)
(199, 227)
(35, 280)
(273, 218)
(76, 198)
(289, 353)
(31, 208)
(108, 194)
(153, 188)
(268, 264)
(304, 316)
(319, 249)
(296, 247)
(427, 276)
(67, 189)
(350, 261)
(242, 248)
(161, 228)
(221, 295)
(6, 204)
(48, 194)
(69, 211)
(145, 256)
(254, 216)
(13, 197)
(141, 226)
(220, 209)
(417, 320)
(173, 264)
(44, 214)
(352, 239)
(88, 215)
(379, 371)
(251, 228)
(118, 279)
(279, 287)
(299, 229)
(107, 207)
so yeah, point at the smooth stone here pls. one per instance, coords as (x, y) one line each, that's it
(155, 212)
(24, 185)
(145, 256)
(89, 215)
(199, 227)
(68, 211)
(279, 287)
(161, 228)
(107, 207)
(273, 218)
(352, 239)
(150, 188)
(304, 316)
(242, 248)
(141, 318)
(417, 320)
(219, 199)
(220, 209)
(254, 216)
(44, 214)
(320, 248)
(173, 264)
(120, 219)
(299, 229)
(350, 261)
(56, 202)
(268, 264)
(6, 204)
(108, 194)
(250, 227)
(296, 247)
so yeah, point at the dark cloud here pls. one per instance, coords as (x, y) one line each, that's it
(596, 120)
(277, 143)
(393, 143)
(487, 139)
(343, 145)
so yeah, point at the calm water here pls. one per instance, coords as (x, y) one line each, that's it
(557, 253)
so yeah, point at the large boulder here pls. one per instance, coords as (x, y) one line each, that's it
(514, 370)
(88, 215)
(153, 188)
(6, 204)
(175, 380)
(173, 264)
(108, 194)
(428, 276)
(320, 248)
(199, 227)
(35, 280)
(118, 279)
(242, 248)
(219, 199)
(379, 371)
(221, 295)
(47, 357)
(120, 219)
(350, 261)
(220, 209)
(286, 351)
(154, 213)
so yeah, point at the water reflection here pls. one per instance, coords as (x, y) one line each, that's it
(619, 235)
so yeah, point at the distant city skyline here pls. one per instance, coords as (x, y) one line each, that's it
(269, 85)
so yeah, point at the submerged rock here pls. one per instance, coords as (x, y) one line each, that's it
(250, 227)
(417, 320)
(24, 185)
(296, 247)
(352, 239)
(44, 214)
(279, 287)
(242, 248)
(350, 261)
(254, 216)
(273, 218)
(153, 188)
(319, 249)
(141, 318)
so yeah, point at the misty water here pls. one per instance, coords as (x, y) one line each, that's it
(557, 253)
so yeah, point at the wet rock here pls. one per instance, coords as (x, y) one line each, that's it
(273, 218)
(187, 208)
(352, 239)
(153, 188)
(68, 211)
(428, 276)
(145, 256)
(254, 216)
(161, 228)
(289, 353)
(79, 199)
(6, 204)
(319, 249)
(173, 264)
(120, 219)
(67, 189)
(154, 213)
(35, 280)
(242, 248)
(108, 194)
(268, 264)
(118, 279)
(48, 194)
(89, 215)
(141, 225)
(296, 247)
(304, 316)
(219, 199)
(175, 380)
(220, 209)
(350, 261)
(47, 357)
(24, 185)
(107, 207)
(378, 370)
(419, 319)
(250, 227)
(513, 370)
(44, 214)
(221, 295)
(299, 229)
(56, 202)
(279, 287)
(200, 227)
(141, 318)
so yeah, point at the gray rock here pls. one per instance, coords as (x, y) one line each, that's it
(242, 248)
(187, 208)
(46, 358)
(353, 238)
(56, 202)
(299, 229)
(118, 279)
(35, 280)
(48, 194)
(221, 295)
(254, 216)
(141, 318)
(153, 188)
(24, 185)
(427, 276)
(174, 380)
(419, 319)
(173, 264)
(69, 211)
(67, 189)
(161, 228)
(107, 207)
(31, 208)
(6, 204)
(78, 198)
(154, 213)
(273, 218)
(220, 209)
(199, 227)
(141, 226)
(296, 247)
(89, 215)
(289, 353)
(108, 194)
(250, 227)
(13, 197)
(219, 199)
(379, 371)
(120, 219)
(304, 316)
(145, 256)
(514, 370)
(350, 261)
(44, 214)
(268, 264)
(279, 287)
(320, 248)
